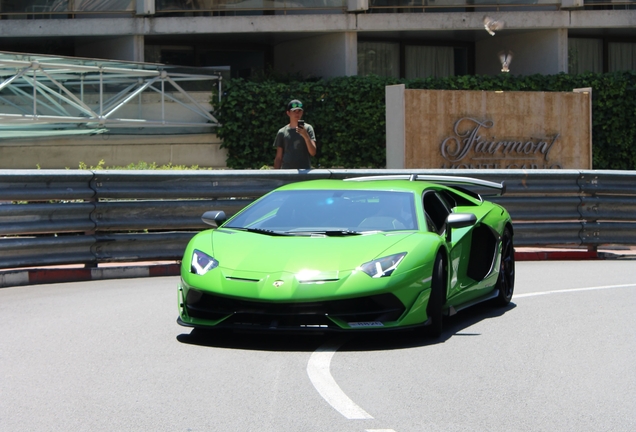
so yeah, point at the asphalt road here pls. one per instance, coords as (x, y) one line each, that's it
(109, 356)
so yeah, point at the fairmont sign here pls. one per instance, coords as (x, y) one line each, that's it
(457, 129)
(470, 147)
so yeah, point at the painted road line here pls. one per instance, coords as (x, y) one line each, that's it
(320, 377)
(320, 361)
(517, 296)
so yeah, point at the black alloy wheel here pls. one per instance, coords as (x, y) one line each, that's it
(435, 306)
(506, 280)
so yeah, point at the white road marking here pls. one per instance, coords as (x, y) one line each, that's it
(320, 377)
(379, 430)
(573, 290)
(320, 361)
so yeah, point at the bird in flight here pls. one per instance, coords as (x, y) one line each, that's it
(505, 57)
(491, 25)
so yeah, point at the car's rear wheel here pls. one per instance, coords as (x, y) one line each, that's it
(436, 300)
(506, 280)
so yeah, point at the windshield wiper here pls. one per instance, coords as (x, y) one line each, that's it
(341, 233)
(262, 231)
(327, 233)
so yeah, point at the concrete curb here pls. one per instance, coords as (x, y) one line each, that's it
(36, 276)
(556, 255)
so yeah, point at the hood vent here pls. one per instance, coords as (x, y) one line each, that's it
(241, 279)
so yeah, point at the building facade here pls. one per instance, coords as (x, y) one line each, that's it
(329, 38)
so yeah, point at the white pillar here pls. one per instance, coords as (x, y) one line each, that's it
(395, 125)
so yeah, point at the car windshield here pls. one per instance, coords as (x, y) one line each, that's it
(330, 212)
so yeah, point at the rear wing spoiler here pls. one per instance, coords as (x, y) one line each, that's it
(493, 188)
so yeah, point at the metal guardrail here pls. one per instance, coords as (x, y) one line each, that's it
(52, 217)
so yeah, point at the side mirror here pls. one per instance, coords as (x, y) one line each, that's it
(458, 220)
(214, 218)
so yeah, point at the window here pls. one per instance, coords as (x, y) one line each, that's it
(429, 61)
(379, 58)
(621, 56)
(585, 55)
(327, 210)
(436, 211)
(599, 55)
(412, 60)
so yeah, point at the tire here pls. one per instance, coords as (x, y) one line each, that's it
(506, 281)
(435, 306)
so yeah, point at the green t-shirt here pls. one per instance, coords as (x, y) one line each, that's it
(295, 153)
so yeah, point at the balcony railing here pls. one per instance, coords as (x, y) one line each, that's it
(48, 9)
(43, 9)
(610, 4)
(248, 7)
(406, 6)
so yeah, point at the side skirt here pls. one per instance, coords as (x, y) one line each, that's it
(452, 310)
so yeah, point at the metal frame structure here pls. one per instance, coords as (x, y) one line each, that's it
(47, 93)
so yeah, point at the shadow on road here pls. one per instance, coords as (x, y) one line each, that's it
(360, 341)
(453, 326)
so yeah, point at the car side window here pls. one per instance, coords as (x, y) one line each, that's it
(430, 224)
(455, 199)
(449, 199)
(436, 210)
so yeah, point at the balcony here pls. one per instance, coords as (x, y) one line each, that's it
(63, 9)
(70, 9)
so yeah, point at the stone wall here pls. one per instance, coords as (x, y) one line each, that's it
(203, 150)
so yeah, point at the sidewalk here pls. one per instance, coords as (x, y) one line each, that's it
(78, 273)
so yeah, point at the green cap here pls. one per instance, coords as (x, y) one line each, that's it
(294, 105)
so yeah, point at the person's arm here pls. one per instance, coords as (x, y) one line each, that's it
(309, 141)
(278, 160)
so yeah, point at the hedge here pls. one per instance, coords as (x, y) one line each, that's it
(348, 115)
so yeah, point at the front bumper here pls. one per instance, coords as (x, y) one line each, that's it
(205, 310)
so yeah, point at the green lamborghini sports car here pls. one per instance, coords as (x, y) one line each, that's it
(365, 253)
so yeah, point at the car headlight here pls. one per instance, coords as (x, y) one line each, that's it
(202, 263)
(382, 267)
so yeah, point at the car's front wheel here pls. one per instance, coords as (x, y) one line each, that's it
(436, 300)
(506, 280)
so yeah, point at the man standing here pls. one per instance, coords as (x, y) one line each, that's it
(295, 143)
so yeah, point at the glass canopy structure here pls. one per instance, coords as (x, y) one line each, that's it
(47, 95)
